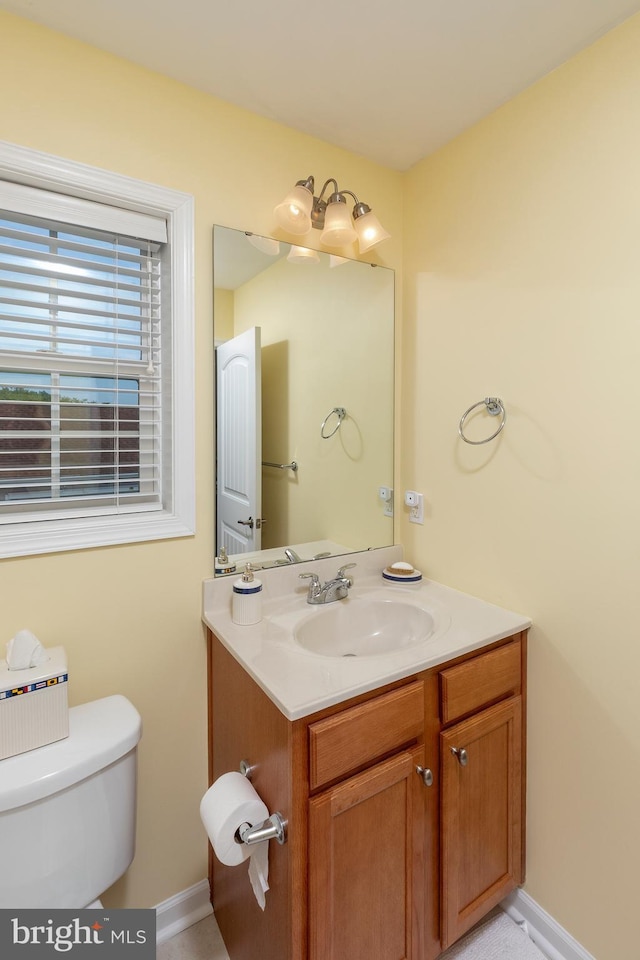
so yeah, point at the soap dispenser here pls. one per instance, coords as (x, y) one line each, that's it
(247, 599)
(223, 564)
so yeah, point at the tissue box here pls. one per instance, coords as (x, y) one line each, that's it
(34, 708)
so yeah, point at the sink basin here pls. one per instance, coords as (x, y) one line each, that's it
(363, 628)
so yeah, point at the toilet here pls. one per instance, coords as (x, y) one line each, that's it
(68, 810)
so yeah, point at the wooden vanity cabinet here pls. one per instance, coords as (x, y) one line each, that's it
(367, 832)
(366, 860)
(482, 785)
(381, 861)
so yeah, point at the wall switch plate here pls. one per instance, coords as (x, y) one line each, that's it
(415, 502)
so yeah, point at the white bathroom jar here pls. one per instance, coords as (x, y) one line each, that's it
(246, 604)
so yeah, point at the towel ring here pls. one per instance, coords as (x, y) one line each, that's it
(340, 413)
(494, 407)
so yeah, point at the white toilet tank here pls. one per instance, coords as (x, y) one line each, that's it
(68, 810)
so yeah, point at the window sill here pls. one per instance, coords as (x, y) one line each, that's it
(29, 539)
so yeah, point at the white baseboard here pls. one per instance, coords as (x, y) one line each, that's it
(179, 912)
(546, 933)
(186, 908)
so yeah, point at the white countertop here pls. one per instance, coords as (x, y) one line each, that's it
(300, 682)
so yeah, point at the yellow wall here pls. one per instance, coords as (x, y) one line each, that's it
(522, 280)
(223, 313)
(129, 617)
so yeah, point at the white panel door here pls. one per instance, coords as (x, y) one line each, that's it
(239, 443)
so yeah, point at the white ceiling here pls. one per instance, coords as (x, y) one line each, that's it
(389, 81)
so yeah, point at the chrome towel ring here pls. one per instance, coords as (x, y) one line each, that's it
(495, 407)
(340, 413)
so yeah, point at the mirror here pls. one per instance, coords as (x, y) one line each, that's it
(304, 401)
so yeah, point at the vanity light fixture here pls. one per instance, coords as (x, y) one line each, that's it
(301, 210)
(302, 255)
(264, 244)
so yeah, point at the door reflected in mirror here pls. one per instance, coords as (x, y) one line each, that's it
(304, 401)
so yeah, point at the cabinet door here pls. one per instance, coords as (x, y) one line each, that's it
(366, 864)
(482, 808)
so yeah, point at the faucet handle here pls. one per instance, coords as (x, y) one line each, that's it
(341, 573)
(314, 586)
(310, 576)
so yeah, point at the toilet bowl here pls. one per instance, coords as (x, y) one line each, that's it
(68, 810)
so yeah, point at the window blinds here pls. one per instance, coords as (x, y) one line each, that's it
(81, 357)
(33, 201)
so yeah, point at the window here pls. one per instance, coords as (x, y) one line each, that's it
(96, 356)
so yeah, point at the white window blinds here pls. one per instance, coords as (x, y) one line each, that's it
(82, 357)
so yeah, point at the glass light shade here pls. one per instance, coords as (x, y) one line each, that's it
(369, 231)
(338, 225)
(302, 255)
(336, 261)
(293, 214)
(264, 244)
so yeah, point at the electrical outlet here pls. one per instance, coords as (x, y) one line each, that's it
(416, 508)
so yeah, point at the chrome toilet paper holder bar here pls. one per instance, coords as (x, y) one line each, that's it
(273, 828)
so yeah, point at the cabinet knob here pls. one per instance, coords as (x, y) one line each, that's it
(426, 775)
(461, 755)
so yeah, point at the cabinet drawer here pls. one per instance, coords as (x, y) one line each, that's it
(475, 683)
(362, 734)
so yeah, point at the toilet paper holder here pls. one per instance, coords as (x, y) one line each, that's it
(273, 828)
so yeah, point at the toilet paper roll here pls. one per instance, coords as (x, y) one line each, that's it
(259, 871)
(24, 651)
(227, 804)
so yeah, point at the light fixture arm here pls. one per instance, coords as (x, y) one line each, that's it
(351, 194)
(308, 184)
(326, 184)
(320, 205)
(294, 215)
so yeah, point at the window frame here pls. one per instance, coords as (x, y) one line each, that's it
(176, 519)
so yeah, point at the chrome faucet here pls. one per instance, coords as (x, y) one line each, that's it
(336, 589)
(293, 557)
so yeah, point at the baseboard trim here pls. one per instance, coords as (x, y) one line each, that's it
(188, 907)
(181, 911)
(546, 933)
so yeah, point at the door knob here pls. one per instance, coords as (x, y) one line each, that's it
(247, 523)
(426, 775)
(461, 755)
